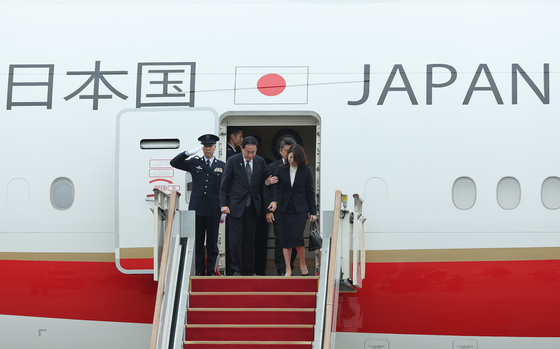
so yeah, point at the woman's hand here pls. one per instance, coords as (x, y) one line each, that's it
(272, 206)
(313, 218)
(271, 180)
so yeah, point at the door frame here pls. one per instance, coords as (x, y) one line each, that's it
(270, 118)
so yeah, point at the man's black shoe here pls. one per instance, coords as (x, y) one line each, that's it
(236, 273)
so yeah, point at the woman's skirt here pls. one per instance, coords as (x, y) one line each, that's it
(293, 226)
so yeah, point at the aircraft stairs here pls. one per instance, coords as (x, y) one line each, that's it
(253, 312)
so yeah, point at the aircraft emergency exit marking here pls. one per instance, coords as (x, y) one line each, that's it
(163, 187)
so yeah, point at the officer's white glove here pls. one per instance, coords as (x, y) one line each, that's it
(193, 151)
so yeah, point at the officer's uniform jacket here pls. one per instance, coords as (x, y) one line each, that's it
(205, 195)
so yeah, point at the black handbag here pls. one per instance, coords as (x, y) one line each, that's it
(315, 239)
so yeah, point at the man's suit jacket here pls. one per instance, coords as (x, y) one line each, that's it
(302, 191)
(205, 199)
(230, 152)
(267, 197)
(235, 185)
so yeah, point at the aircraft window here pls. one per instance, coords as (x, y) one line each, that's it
(550, 193)
(375, 193)
(464, 193)
(62, 193)
(509, 193)
(172, 143)
(18, 194)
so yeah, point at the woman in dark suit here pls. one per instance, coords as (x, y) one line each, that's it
(297, 201)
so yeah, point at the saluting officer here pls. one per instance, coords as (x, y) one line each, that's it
(206, 175)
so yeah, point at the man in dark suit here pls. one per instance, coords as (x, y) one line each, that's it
(240, 199)
(235, 137)
(275, 217)
(206, 175)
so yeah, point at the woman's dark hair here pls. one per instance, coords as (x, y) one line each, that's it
(299, 156)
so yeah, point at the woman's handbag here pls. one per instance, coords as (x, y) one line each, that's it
(315, 239)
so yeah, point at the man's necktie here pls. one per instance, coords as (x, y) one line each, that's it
(208, 164)
(249, 174)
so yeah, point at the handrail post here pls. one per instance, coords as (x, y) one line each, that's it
(161, 206)
(358, 201)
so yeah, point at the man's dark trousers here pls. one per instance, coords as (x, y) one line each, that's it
(242, 241)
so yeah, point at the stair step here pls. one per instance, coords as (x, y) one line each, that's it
(254, 284)
(249, 332)
(252, 299)
(247, 345)
(305, 316)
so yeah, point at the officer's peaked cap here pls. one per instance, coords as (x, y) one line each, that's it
(208, 139)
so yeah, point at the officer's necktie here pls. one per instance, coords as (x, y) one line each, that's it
(249, 174)
(208, 164)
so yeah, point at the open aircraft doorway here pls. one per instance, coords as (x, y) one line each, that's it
(272, 127)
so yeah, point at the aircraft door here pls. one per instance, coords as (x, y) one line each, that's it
(304, 127)
(146, 140)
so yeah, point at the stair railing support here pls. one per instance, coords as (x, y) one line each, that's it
(327, 296)
(173, 203)
(322, 289)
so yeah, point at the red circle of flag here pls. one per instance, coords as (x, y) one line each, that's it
(271, 85)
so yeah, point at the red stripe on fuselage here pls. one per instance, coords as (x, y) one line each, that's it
(75, 290)
(137, 263)
(508, 298)
(516, 298)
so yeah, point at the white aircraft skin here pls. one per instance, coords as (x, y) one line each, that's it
(488, 111)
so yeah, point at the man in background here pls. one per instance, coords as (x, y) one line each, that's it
(235, 137)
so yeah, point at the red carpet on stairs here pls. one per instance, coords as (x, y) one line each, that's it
(240, 312)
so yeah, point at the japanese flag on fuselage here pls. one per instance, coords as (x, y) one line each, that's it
(271, 85)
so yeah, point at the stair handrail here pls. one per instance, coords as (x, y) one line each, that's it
(332, 277)
(161, 204)
(172, 206)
